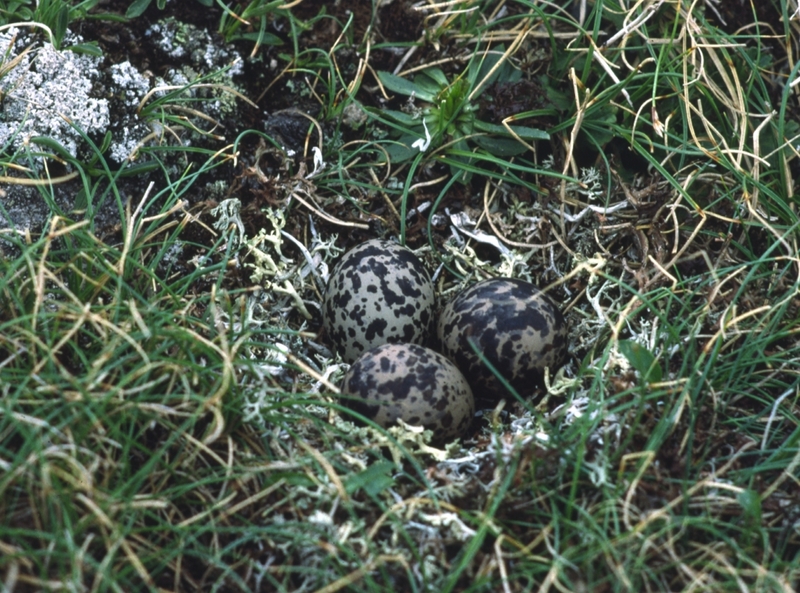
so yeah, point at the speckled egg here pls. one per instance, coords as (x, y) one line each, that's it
(379, 293)
(516, 327)
(411, 383)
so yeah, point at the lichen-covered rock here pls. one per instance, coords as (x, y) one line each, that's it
(411, 383)
(379, 293)
(515, 326)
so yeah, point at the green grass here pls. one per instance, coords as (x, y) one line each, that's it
(168, 418)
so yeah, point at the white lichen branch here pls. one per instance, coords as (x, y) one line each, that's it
(423, 145)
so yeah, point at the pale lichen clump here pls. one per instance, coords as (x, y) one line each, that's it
(288, 286)
(49, 93)
(130, 88)
(182, 40)
(203, 57)
(63, 95)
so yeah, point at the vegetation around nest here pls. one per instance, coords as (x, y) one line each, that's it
(168, 410)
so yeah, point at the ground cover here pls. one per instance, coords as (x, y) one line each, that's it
(177, 181)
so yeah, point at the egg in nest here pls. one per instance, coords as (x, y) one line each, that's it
(411, 383)
(378, 293)
(516, 327)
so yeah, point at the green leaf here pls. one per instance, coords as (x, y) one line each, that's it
(527, 133)
(376, 478)
(106, 142)
(599, 125)
(61, 24)
(500, 146)
(401, 151)
(139, 168)
(262, 38)
(106, 16)
(81, 203)
(522, 131)
(437, 78)
(293, 479)
(401, 118)
(81, 9)
(137, 8)
(256, 10)
(642, 360)
(53, 145)
(428, 87)
(478, 68)
(403, 86)
(91, 48)
(751, 505)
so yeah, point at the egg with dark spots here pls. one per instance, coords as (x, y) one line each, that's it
(379, 293)
(517, 328)
(411, 383)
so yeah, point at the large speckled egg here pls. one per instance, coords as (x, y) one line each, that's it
(379, 293)
(516, 327)
(411, 383)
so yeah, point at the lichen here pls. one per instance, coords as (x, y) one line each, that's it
(49, 93)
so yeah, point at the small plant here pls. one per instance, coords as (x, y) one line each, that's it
(55, 16)
(254, 14)
(246, 14)
(137, 7)
(448, 122)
